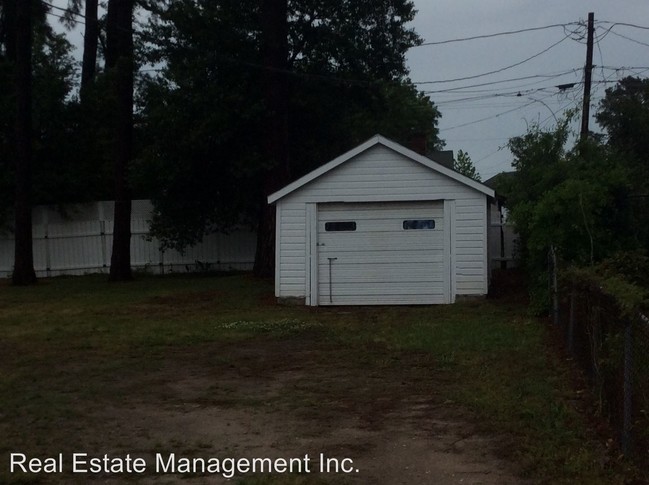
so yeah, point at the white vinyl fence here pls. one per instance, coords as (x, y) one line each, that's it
(77, 239)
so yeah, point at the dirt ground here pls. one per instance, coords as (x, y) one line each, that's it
(270, 398)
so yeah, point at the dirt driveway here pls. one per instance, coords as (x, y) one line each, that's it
(274, 398)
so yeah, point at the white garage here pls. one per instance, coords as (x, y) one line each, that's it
(384, 225)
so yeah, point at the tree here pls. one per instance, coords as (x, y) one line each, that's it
(70, 19)
(7, 106)
(59, 172)
(119, 69)
(574, 201)
(275, 131)
(90, 44)
(86, 124)
(208, 120)
(23, 273)
(464, 165)
(624, 114)
(202, 120)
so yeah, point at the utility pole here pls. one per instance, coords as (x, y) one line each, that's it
(588, 71)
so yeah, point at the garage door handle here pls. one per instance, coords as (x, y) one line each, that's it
(320, 244)
(331, 297)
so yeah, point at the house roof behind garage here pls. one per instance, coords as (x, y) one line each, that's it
(380, 140)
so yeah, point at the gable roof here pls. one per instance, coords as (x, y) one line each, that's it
(379, 140)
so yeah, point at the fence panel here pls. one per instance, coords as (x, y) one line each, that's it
(77, 239)
(613, 350)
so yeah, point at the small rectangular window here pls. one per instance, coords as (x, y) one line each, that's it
(419, 224)
(340, 226)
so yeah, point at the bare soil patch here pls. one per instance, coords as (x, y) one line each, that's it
(274, 398)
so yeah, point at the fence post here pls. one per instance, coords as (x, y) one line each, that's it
(595, 313)
(571, 322)
(555, 296)
(102, 234)
(48, 255)
(628, 386)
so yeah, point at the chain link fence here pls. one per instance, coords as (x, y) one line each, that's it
(612, 347)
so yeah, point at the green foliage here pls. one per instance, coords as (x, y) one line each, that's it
(69, 161)
(53, 149)
(611, 278)
(203, 113)
(633, 266)
(589, 202)
(366, 37)
(65, 168)
(573, 200)
(624, 114)
(464, 165)
(201, 121)
(624, 276)
(201, 116)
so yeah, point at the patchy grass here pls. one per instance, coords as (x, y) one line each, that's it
(75, 349)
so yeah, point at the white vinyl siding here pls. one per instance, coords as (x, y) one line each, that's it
(379, 174)
(291, 250)
(471, 244)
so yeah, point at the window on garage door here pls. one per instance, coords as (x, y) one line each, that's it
(419, 224)
(340, 226)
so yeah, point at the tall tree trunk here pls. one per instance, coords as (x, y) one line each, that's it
(275, 136)
(8, 28)
(119, 67)
(23, 256)
(90, 41)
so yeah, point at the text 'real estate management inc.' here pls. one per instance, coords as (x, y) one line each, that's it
(170, 463)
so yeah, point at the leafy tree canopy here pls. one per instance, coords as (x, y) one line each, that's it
(573, 200)
(202, 163)
(624, 114)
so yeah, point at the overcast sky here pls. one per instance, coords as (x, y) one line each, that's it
(620, 50)
(506, 114)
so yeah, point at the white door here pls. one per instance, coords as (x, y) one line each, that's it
(381, 253)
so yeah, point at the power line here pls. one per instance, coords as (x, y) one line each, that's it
(61, 16)
(487, 118)
(601, 56)
(643, 27)
(630, 39)
(497, 34)
(622, 68)
(491, 83)
(500, 148)
(509, 94)
(457, 140)
(67, 10)
(497, 70)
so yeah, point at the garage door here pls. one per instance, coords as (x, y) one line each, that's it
(381, 253)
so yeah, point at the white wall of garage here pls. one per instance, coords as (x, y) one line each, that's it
(381, 172)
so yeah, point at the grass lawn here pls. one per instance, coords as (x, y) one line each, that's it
(211, 366)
